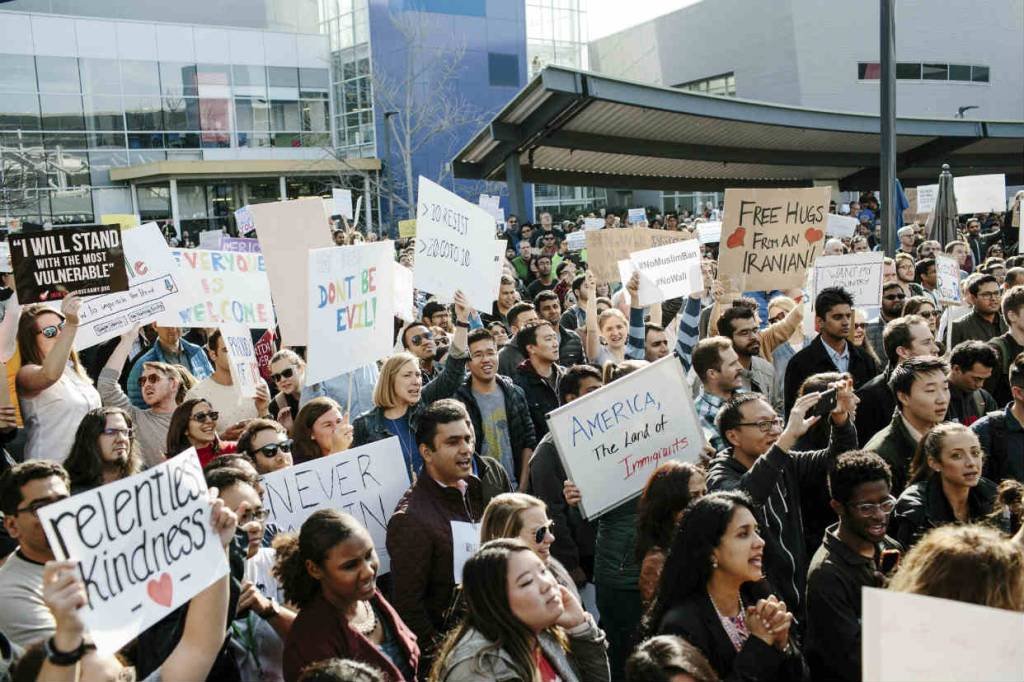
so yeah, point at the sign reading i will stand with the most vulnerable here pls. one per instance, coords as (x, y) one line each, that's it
(454, 247)
(76, 260)
(144, 547)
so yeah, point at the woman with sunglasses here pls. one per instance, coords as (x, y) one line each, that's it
(858, 335)
(105, 450)
(517, 515)
(320, 429)
(288, 375)
(267, 445)
(54, 389)
(194, 424)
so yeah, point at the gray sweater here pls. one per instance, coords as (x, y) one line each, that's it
(150, 428)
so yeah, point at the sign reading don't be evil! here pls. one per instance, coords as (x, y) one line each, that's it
(144, 547)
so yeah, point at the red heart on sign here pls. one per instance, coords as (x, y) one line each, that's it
(161, 589)
(813, 234)
(736, 238)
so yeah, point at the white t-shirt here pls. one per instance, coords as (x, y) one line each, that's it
(226, 400)
(24, 618)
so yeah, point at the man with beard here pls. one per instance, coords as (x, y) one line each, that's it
(419, 340)
(739, 324)
(984, 323)
(718, 367)
(545, 276)
(893, 297)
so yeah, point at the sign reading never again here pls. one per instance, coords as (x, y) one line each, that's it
(81, 260)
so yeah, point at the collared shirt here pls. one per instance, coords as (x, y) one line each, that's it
(840, 360)
(914, 433)
(708, 406)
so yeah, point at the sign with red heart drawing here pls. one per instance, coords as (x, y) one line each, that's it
(144, 547)
(771, 237)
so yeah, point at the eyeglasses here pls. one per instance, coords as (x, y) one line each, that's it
(34, 508)
(988, 294)
(894, 297)
(251, 515)
(419, 339)
(778, 318)
(766, 425)
(861, 325)
(283, 374)
(869, 508)
(542, 532)
(270, 449)
(149, 379)
(201, 417)
(927, 314)
(126, 433)
(52, 330)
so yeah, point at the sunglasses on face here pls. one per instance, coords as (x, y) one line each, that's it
(149, 379)
(861, 325)
(419, 339)
(52, 330)
(201, 417)
(271, 449)
(283, 374)
(542, 532)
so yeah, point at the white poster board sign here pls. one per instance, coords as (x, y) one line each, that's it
(668, 271)
(243, 219)
(948, 286)
(454, 247)
(366, 482)
(980, 193)
(155, 289)
(637, 217)
(914, 638)
(211, 239)
(351, 306)
(709, 232)
(860, 274)
(342, 202)
(926, 196)
(593, 223)
(225, 286)
(245, 369)
(577, 241)
(611, 440)
(841, 225)
(5, 256)
(405, 307)
(144, 547)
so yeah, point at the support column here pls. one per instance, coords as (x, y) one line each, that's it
(134, 194)
(514, 180)
(174, 208)
(887, 117)
(367, 203)
(282, 190)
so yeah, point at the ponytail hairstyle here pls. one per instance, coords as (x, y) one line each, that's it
(319, 533)
(930, 447)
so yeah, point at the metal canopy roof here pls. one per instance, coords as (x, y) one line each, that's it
(571, 127)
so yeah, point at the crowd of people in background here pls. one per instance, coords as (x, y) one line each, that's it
(883, 449)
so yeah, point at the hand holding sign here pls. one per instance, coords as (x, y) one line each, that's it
(69, 307)
(633, 289)
(64, 594)
(462, 306)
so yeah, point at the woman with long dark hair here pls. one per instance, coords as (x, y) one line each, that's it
(104, 450)
(329, 570)
(320, 429)
(519, 624)
(713, 594)
(194, 424)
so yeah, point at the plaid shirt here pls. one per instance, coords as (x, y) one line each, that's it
(708, 406)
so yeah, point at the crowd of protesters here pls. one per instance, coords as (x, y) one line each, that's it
(885, 448)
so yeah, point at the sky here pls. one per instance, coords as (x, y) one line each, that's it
(608, 16)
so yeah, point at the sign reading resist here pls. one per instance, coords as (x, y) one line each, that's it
(143, 544)
(612, 439)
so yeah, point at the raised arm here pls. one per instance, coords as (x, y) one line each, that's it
(592, 338)
(637, 332)
(34, 379)
(689, 321)
(9, 328)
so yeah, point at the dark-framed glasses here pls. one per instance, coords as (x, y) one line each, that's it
(271, 449)
(542, 532)
(766, 425)
(201, 417)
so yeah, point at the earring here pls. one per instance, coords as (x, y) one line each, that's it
(714, 562)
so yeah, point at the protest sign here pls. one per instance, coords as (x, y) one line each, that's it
(156, 290)
(225, 287)
(650, 238)
(947, 270)
(342, 202)
(593, 223)
(841, 225)
(210, 240)
(860, 274)
(351, 306)
(605, 248)
(245, 371)
(265, 349)
(144, 547)
(5, 257)
(637, 217)
(287, 230)
(405, 305)
(125, 221)
(491, 204)
(367, 482)
(243, 219)
(82, 260)
(926, 195)
(904, 635)
(709, 232)
(612, 439)
(407, 228)
(499, 266)
(454, 247)
(576, 241)
(667, 271)
(240, 245)
(771, 237)
(980, 193)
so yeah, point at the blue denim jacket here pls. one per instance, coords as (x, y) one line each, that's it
(198, 364)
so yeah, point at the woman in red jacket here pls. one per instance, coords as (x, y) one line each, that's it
(329, 570)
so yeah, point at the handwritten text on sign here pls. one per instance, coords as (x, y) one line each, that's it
(771, 237)
(350, 308)
(860, 274)
(83, 260)
(366, 482)
(612, 439)
(245, 372)
(226, 287)
(144, 547)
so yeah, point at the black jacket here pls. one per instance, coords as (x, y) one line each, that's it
(814, 359)
(517, 411)
(1002, 440)
(974, 327)
(574, 536)
(968, 407)
(570, 348)
(774, 482)
(877, 403)
(923, 506)
(696, 620)
(896, 446)
(541, 397)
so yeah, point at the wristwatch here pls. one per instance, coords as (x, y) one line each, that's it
(460, 323)
(62, 658)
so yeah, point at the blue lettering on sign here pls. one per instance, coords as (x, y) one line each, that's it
(621, 410)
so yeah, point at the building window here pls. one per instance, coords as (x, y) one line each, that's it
(934, 72)
(723, 85)
(979, 74)
(916, 71)
(908, 71)
(466, 8)
(503, 69)
(869, 71)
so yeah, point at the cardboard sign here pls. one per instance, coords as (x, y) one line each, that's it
(82, 260)
(287, 230)
(367, 482)
(771, 237)
(612, 439)
(126, 221)
(948, 285)
(240, 245)
(225, 287)
(211, 239)
(653, 238)
(666, 272)
(342, 202)
(576, 241)
(144, 547)
(860, 274)
(593, 223)
(709, 232)
(243, 219)
(245, 371)
(351, 307)
(155, 291)
(605, 248)
(454, 247)
(406, 228)
(841, 225)
(905, 635)
(637, 217)
(404, 299)
(265, 349)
